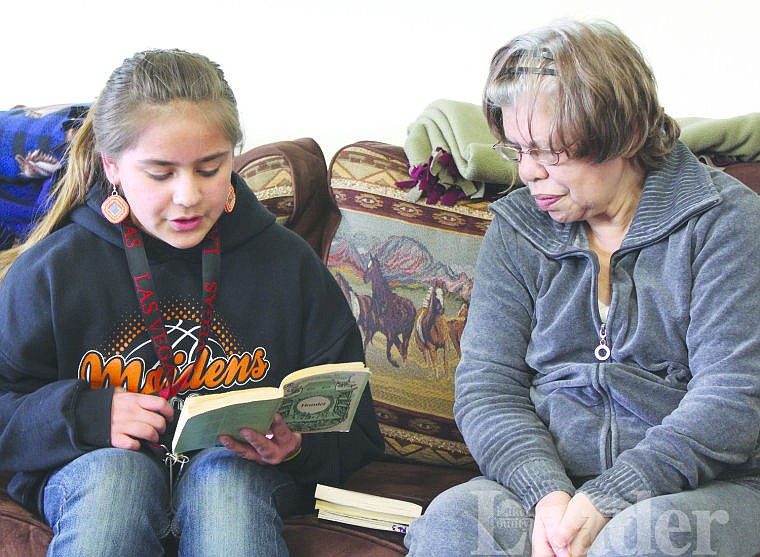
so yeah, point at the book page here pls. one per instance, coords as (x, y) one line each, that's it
(197, 404)
(323, 368)
(337, 508)
(367, 501)
(364, 522)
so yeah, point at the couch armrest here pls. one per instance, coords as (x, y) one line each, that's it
(290, 178)
(22, 533)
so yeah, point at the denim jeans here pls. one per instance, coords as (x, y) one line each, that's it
(482, 518)
(113, 502)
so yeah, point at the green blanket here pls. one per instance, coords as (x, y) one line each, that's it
(737, 137)
(459, 128)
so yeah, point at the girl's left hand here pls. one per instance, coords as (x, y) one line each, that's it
(274, 447)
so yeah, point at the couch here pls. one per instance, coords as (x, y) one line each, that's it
(406, 268)
(425, 453)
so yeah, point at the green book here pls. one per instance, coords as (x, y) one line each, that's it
(314, 399)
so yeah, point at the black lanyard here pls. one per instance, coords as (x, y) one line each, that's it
(150, 307)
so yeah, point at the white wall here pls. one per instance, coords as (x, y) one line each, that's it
(346, 70)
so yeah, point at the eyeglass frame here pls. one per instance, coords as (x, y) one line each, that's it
(500, 149)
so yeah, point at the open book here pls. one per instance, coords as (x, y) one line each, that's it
(314, 399)
(363, 509)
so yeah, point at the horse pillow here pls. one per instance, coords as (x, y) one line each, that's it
(406, 269)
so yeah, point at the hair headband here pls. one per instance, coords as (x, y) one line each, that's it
(519, 70)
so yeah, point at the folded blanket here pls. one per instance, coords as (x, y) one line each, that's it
(450, 154)
(737, 137)
(460, 129)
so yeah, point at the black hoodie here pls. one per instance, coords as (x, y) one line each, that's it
(71, 329)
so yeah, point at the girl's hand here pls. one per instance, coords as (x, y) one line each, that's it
(272, 448)
(136, 417)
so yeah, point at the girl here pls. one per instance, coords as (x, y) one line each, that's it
(157, 270)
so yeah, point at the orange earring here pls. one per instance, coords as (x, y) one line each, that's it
(115, 208)
(231, 199)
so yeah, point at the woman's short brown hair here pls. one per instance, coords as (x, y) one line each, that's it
(603, 91)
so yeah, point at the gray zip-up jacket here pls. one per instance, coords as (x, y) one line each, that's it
(676, 404)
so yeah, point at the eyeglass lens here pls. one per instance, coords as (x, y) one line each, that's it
(541, 156)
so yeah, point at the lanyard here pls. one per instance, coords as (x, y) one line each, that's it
(150, 308)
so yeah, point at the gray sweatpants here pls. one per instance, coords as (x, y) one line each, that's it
(482, 518)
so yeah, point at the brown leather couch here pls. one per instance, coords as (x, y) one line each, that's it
(291, 179)
(425, 453)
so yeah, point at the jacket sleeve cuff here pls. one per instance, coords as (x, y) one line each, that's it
(297, 460)
(616, 489)
(92, 415)
(537, 478)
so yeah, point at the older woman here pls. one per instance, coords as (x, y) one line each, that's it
(608, 387)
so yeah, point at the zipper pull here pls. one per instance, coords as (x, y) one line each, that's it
(602, 351)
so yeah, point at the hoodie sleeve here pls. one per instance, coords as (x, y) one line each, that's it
(46, 417)
(492, 407)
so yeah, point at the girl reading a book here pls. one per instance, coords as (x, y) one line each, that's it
(157, 274)
(609, 385)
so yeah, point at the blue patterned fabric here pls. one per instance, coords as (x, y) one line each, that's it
(32, 146)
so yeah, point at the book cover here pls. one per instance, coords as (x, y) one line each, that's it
(315, 399)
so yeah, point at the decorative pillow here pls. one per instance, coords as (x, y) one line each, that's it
(290, 179)
(33, 142)
(407, 270)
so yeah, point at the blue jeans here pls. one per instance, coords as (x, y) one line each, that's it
(482, 518)
(113, 502)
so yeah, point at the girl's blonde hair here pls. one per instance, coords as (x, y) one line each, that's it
(602, 91)
(113, 124)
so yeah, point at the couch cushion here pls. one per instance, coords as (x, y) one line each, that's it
(307, 536)
(22, 534)
(406, 269)
(408, 481)
(290, 179)
(417, 483)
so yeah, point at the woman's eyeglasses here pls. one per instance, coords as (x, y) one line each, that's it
(544, 157)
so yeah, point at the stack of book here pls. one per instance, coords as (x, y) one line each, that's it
(362, 509)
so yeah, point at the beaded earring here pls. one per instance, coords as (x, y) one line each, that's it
(115, 208)
(231, 199)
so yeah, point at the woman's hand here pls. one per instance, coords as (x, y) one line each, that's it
(272, 448)
(136, 417)
(578, 529)
(549, 512)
